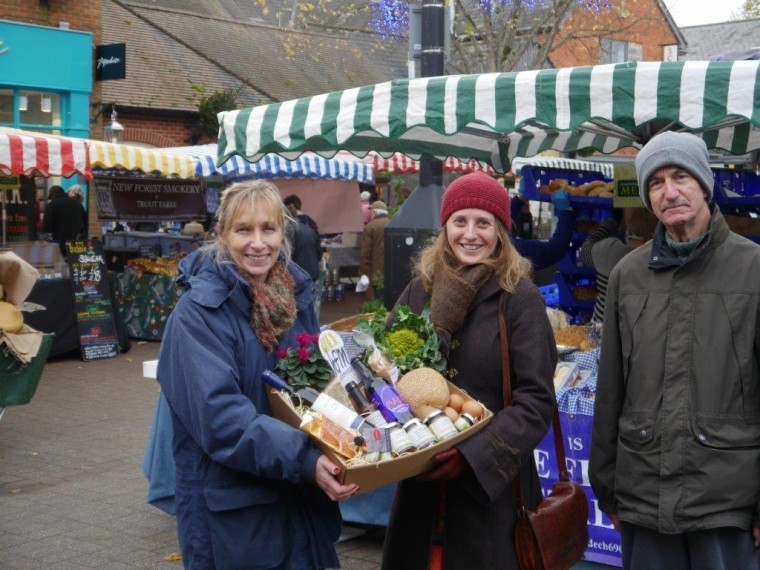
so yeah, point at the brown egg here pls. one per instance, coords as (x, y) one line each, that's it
(451, 413)
(473, 408)
(456, 401)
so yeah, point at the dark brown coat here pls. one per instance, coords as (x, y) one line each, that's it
(480, 506)
(372, 255)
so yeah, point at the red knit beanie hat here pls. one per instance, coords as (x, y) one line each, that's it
(476, 190)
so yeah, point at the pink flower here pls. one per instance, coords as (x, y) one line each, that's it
(303, 339)
(303, 355)
(315, 338)
(282, 353)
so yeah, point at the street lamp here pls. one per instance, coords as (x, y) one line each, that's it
(114, 132)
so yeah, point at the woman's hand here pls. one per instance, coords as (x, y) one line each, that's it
(325, 477)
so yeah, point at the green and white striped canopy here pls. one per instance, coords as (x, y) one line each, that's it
(495, 117)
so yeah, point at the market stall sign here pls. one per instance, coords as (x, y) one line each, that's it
(119, 198)
(18, 198)
(92, 299)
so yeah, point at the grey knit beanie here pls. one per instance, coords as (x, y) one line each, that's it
(683, 150)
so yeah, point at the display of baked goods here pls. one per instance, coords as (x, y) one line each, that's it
(594, 189)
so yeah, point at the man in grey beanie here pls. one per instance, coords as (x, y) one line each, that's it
(675, 452)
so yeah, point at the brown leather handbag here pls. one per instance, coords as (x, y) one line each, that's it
(554, 535)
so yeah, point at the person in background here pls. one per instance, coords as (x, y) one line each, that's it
(251, 491)
(675, 447)
(544, 254)
(293, 204)
(372, 254)
(63, 218)
(366, 214)
(462, 513)
(602, 249)
(307, 253)
(75, 193)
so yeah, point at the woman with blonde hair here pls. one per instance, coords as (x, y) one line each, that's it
(462, 513)
(251, 491)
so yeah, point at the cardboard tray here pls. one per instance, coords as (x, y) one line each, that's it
(376, 475)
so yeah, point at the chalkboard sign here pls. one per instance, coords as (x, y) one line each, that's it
(92, 299)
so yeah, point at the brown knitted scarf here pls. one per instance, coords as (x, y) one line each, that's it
(273, 310)
(453, 293)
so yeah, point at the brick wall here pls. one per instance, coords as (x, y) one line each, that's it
(82, 15)
(154, 129)
(640, 21)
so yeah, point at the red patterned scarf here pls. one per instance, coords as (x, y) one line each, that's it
(273, 310)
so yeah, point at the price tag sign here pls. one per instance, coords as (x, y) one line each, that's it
(92, 299)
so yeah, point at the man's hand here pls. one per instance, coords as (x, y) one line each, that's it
(451, 466)
(756, 534)
(325, 478)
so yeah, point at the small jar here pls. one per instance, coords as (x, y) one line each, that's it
(464, 421)
(400, 442)
(420, 434)
(441, 425)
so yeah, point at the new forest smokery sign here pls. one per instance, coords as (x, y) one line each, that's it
(148, 199)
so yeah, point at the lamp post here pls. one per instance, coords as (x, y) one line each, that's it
(114, 132)
(417, 220)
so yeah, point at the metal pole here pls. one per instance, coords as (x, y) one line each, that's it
(431, 170)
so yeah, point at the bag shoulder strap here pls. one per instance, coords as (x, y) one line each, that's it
(559, 447)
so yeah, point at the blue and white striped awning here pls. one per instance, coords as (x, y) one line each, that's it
(308, 165)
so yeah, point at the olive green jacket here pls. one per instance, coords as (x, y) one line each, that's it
(676, 436)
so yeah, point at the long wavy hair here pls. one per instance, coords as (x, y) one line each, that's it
(241, 199)
(438, 257)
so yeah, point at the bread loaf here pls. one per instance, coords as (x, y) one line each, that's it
(11, 319)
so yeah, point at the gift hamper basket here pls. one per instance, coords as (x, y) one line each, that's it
(384, 409)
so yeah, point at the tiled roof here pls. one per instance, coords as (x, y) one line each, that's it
(174, 45)
(714, 39)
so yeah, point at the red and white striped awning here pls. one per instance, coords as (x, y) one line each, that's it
(24, 153)
(399, 163)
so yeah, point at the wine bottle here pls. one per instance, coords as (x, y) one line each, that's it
(363, 406)
(317, 401)
(383, 395)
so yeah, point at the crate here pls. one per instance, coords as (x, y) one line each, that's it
(535, 176)
(744, 182)
(551, 294)
(18, 381)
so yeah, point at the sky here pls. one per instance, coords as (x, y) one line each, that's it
(697, 12)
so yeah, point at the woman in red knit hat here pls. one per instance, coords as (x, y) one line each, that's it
(462, 513)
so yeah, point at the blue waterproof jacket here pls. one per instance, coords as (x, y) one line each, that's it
(245, 490)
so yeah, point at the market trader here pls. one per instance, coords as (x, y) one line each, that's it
(544, 254)
(63, 218)
(675, 458)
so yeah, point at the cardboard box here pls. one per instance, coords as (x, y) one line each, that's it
(372, 476)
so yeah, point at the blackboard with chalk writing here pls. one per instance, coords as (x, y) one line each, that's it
(92, 299)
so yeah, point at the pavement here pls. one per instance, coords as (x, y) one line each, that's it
(72, 493)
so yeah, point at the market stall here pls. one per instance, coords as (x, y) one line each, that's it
(145, 184)
(328, 189)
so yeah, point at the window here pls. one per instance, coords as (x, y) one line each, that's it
(614, 51)
(31, 110)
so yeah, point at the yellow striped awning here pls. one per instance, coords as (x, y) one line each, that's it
(109, 156)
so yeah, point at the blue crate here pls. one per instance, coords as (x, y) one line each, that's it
(535, 176)
(551, 294)
(746, 183)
